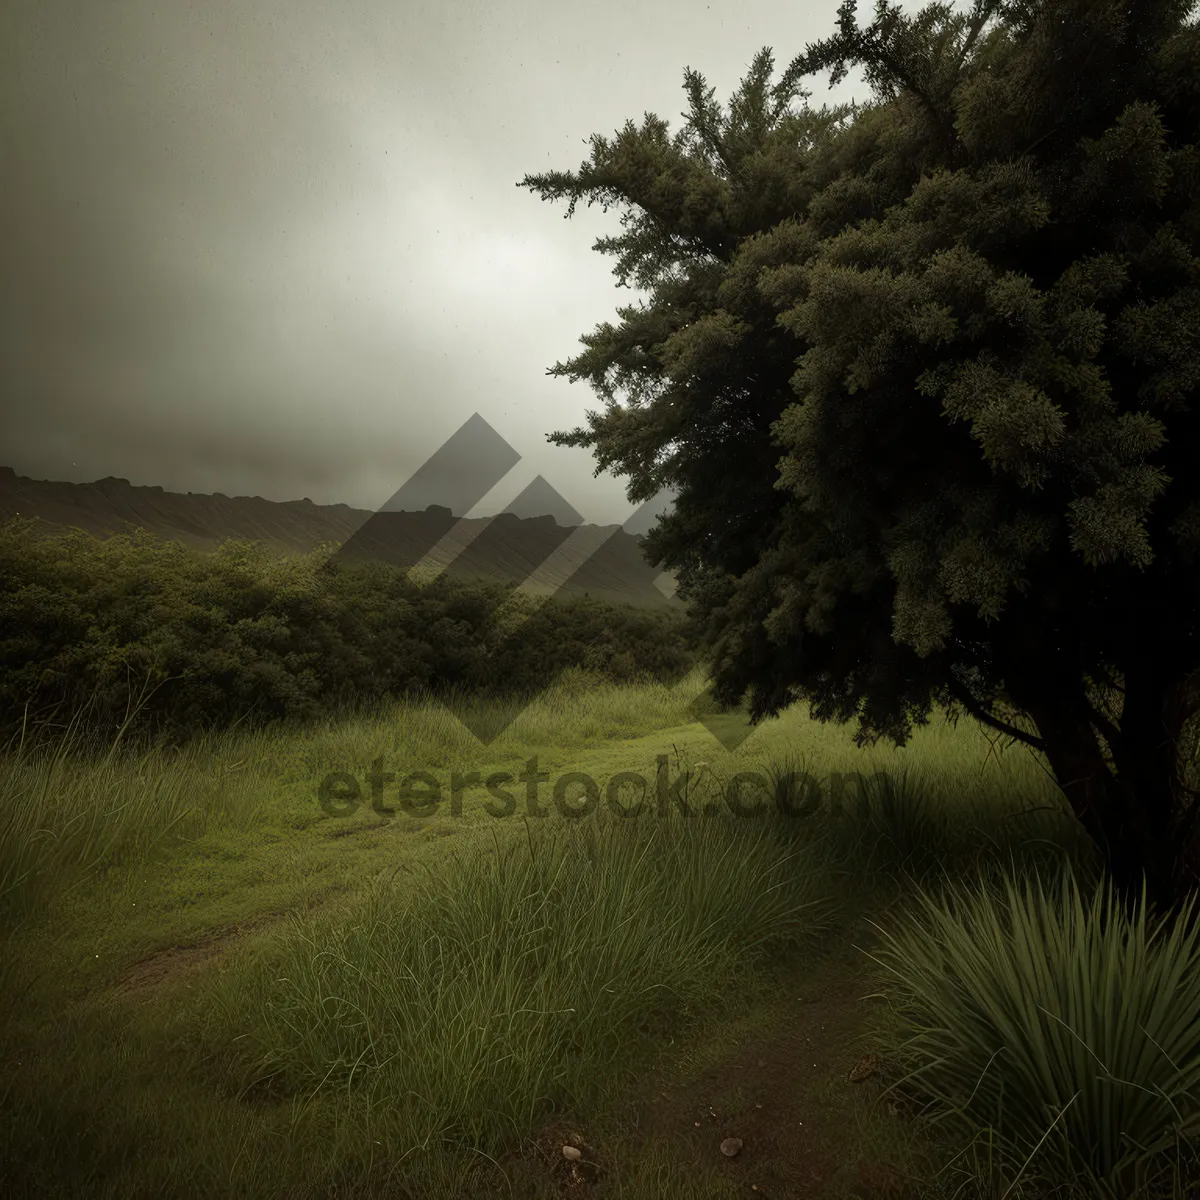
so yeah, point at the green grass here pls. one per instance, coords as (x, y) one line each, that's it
(73, 809)
(459, 1014)
(1047, 1021)
(214, 987)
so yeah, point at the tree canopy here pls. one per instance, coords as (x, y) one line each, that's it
(923, 374)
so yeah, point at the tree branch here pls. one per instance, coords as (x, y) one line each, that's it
(980, 713)
(1111, 734)
(983, 14)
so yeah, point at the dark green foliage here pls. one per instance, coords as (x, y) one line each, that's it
(924, 377)
(243, 634)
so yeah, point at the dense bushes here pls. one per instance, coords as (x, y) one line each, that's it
(201, 640)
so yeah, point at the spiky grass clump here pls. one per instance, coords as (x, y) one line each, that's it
(1065, 1028)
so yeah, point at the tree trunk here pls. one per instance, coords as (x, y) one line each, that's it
(1128, 814)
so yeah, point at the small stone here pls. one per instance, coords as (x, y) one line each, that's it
(731, 1146)
(571, 1154)
(864, 1068)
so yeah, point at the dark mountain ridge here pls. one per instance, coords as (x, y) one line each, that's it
(537, 552)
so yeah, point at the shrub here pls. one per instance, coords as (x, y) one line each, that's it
(203, 640)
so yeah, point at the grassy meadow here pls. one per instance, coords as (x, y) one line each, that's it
(214, 987)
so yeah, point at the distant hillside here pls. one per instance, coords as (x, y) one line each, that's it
(602, 561)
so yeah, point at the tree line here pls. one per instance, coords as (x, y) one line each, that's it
(92, 629)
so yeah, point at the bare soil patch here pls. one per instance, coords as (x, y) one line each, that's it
(176, 964)
(794, 1094)
(790, 1095)
(169, 964)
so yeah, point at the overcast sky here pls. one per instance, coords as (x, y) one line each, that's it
(278, 249)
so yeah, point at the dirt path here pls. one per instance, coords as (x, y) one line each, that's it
(791, 1079)
(145, 979)
(792, 1094)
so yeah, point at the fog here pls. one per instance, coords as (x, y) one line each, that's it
(279, 250)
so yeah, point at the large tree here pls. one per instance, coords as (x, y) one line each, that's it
(924, 375)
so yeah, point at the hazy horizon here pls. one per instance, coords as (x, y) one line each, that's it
(274, 251)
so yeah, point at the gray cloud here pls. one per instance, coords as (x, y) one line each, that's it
(277, 249)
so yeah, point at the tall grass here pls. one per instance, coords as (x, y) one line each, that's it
(72, 808)
(434, 1016)
(466, 1003)
(576, 708)
(1051, 1023)
(919, 822)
